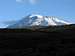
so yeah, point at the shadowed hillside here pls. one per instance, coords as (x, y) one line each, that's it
(50, 41)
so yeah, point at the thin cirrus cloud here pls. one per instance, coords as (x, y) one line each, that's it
(29, 1)
(19, 1)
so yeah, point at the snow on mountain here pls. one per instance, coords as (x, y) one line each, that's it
(38, 20)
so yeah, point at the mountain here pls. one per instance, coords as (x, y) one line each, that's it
(35, 20)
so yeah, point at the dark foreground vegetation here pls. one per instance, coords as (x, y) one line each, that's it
(42, 42)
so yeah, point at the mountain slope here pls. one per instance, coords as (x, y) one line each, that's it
(38, 20)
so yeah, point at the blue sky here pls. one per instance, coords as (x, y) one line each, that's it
(15, 10)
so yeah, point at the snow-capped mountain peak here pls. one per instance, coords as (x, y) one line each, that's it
(36, 15)
(38, 20)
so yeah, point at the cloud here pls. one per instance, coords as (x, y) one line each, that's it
(28, 1)
(33, 1)
(19, 0)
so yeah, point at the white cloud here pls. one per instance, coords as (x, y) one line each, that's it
(33, 1)
(19, 0)
(29, 1)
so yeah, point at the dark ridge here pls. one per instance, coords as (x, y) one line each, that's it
(25, 42)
